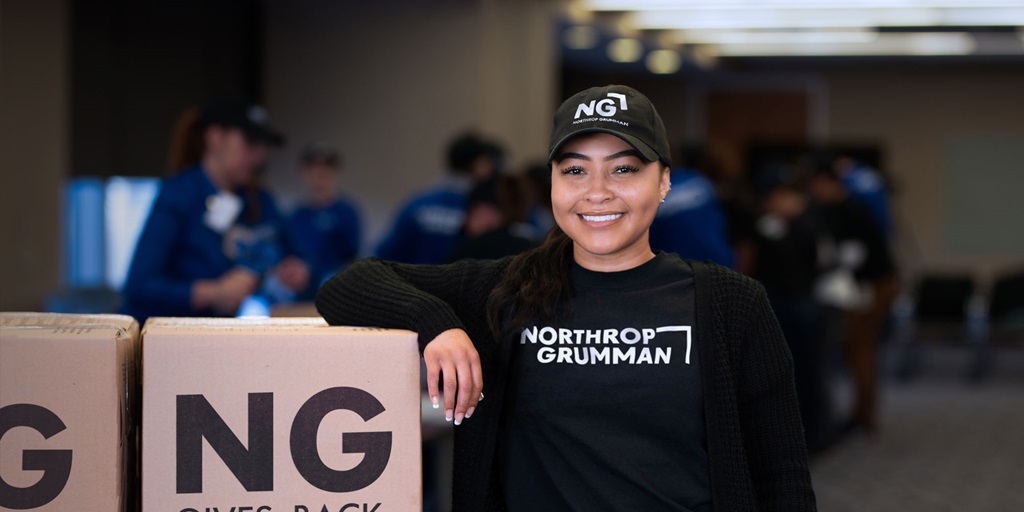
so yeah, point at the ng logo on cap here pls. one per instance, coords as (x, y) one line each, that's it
(605, 107)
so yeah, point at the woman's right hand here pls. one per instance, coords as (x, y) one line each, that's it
(452, 356)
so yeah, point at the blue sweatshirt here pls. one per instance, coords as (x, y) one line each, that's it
(865, 185)
(428, 226)
(690, 222)
(177, 247)
(327, 238)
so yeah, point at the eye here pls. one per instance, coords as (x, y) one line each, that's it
(626, 169)
(574, 170)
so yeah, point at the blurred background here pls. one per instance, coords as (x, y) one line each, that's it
(924, 96)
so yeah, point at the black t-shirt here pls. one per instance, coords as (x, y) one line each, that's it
(787, 261)
(849, 221)
(605, 410)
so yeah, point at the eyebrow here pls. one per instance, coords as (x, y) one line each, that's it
(579, 156)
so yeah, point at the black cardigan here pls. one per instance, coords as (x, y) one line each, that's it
(757, 456)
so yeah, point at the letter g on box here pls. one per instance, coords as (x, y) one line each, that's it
(55, 464)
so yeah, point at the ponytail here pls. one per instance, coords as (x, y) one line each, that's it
(535, 288)
(253, 212)
(187, 145)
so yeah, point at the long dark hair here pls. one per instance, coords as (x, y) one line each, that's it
(535, 288)
(187, 145)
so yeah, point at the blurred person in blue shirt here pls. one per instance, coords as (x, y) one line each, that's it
(866, 186)
(213, 237)
(690, 222)
(427, 228)
(496, 221)
(326, 227)
(860, 250)
(540, 216)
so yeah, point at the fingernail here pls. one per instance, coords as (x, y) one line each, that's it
(470, 412)
(458, 418)
(448, 415)
(433, 401)
(481, 397)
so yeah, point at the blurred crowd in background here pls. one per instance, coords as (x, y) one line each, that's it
(813, 226)
(872, 190)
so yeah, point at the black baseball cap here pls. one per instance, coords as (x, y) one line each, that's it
(251, 119)
(320, 153)
(616, 109)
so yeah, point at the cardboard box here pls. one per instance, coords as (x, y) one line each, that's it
(67, 393)
(279, 415)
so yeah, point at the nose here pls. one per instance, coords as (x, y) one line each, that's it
(598, 190)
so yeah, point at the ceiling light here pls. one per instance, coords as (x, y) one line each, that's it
(625, 50)
(940, 44)
(757, 17)
(770, 37)
(580, 37)
(886, 44)
(705, 55)
(660, 5)
(984, 17)
(774, 19)
(664, 62)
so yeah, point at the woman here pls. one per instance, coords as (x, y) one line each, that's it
(615, 378)
(213, 238)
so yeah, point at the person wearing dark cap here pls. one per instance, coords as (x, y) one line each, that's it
(616, 378)
(426, 229)
(495, 224)
(860, 259)
(326, 227)
(213, 237)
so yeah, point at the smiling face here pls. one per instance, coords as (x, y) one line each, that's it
(604, 197)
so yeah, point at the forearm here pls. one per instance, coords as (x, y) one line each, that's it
(381, 294)
(427, 299)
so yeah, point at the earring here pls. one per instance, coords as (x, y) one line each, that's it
(663, 200)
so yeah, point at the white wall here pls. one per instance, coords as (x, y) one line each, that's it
(916, 113)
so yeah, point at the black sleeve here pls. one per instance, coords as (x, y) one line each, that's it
(770, 416)
(426, 299)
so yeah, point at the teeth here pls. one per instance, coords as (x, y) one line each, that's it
(601, 218)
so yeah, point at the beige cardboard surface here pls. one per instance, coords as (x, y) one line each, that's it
(232, 323)
(276, 384)
(65, 376)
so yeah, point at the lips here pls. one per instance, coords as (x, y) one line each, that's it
(600, 218)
